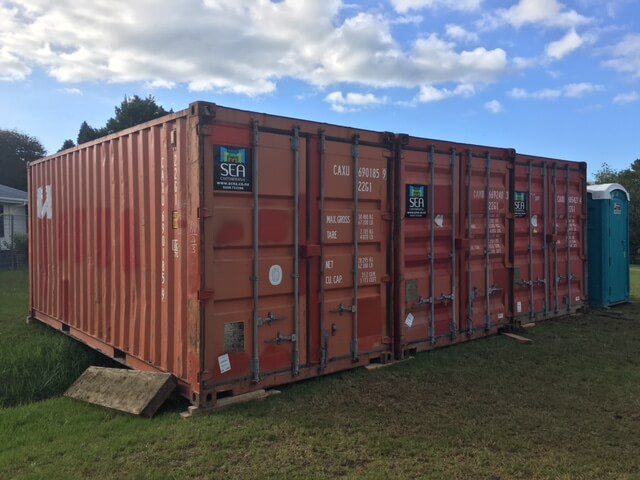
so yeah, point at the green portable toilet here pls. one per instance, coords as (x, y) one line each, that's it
(608, 219)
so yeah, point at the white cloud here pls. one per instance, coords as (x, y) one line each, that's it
(72, 91)
(456, 32)
(549, 13)
(630, 97)
(571, 90)
(494, 106)
(352, 102)
(403, 6)
(199, 45)
(626, 56)
(429, 93)
(563, 47)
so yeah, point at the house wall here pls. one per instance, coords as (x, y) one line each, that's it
(14, 219)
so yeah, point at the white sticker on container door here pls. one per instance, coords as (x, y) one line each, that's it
(224, 363)
(409, 320)
(275, 275)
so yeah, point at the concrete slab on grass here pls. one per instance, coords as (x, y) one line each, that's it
(130, 391)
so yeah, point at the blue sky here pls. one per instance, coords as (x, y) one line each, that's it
(551, 78)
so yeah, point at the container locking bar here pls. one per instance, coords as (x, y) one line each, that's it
(454, 313)
(447, 298)
(269, 319)
(472, 290)
(494, 289)
(432, 226)
(295, 146)
(255, 363)
(355, 153)
(487, 245)
(283, 338)
(342, 309)
(423, 301)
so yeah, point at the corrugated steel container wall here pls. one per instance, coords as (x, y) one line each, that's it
(550, 275)
(108, 234)
(233, 249)
(453, 256)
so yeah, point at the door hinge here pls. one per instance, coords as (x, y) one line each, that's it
(204, 212)
(205, 294)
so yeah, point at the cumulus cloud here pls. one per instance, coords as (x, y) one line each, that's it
(549, 13)
(458, 33)
(429, 93)
(625, 56)
(237, 46)
(571, 90)
(563, 47)
(352, 102)
(72, 91)
(494, 106)
(403, 6)
(630, 97)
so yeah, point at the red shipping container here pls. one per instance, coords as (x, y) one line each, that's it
(232, 249)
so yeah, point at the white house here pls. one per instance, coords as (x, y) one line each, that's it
(13, 215)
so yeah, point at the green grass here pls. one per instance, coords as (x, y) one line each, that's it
(567, 406)
(34, 363)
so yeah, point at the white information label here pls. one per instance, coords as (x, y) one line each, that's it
(275, 275)
(500, 316)
(577, 299)
(519, 307)
(409, 320)
(224, 363)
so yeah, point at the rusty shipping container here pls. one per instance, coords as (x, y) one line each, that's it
(549, 247)
(453, 258)
(232, 249)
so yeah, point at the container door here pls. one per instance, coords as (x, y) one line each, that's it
(485, 198)
(355, 227)
(427, 293)
(568, 219)
(618, 247)
(529, 244)
(254, 306)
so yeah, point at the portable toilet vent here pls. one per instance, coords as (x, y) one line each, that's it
(608, 213)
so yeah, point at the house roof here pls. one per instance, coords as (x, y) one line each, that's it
(13, 195)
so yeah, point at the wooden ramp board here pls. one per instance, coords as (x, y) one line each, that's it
(517, 338)
(130, 391)
(192, 410)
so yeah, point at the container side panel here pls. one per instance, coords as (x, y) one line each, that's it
(108, 242)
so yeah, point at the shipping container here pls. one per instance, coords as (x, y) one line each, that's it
(232, 249)
(608, 207)
(549, 244)
(453, 272)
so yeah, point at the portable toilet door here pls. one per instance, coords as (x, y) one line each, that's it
(608, 213)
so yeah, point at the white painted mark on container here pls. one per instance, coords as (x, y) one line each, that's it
(44, 202)
(500, 316)
(439, 221)
(519, 307)
(534, 221)
(577, 299)
(275, 275)
(224, 363)
(175, 248)
(409, 320)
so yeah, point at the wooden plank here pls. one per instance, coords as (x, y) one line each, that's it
(228, 401)
(130, 391)
(375, 366)
(529, 325)
(517, 338)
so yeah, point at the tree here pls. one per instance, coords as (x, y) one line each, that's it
(16, 150)
(68, 143)
(132, 111)
(629, 178)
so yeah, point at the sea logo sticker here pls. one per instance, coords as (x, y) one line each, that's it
(416, 201)
(232, 169)
(520, 204)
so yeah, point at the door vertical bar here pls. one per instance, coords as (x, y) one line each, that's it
(454, 320)
(487, 249)
(355, 152)
(555, 238)
(545, 252)
(568, 236)
(295, 145)
(324, 337)
(470, 292)
(255, 370)
(531, 298)
(432, 209)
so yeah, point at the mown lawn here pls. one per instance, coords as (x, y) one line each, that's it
(567, 406)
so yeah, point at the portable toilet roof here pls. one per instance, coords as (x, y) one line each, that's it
(603, 191)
